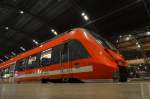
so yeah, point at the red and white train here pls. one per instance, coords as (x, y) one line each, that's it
(77, 55)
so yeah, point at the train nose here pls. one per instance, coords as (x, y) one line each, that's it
(121, 74)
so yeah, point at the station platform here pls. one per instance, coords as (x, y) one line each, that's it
(132, 90)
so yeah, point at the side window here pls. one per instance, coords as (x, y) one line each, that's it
(77, 50)
(6, 73)
(46, 57)
(33, 61)
(21, 65)
(56, 52)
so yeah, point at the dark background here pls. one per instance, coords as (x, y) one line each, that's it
(109, 18)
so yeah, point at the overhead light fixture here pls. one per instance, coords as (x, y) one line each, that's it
(140, 65)
(145, 67)
(35, 42)
(13, 53)
(137, 43)
(6, 28)
(139, 46)
(148, 33)
(54, 32)
(6, 57)
(85, 16)
(22, 48)
(127, 38)
(1, 60)
(21, 12)
(117, 41)
(130, 35)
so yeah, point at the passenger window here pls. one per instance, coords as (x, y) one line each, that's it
(77, 50)
(21, 65)
(5, 73)
(33, 62)
(46, 57)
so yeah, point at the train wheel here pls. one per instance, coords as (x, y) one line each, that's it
(75, 80)
(123, 74)
(44, 81)
(65, 80)
(115, 76)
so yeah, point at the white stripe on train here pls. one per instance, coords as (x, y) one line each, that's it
(59, 72)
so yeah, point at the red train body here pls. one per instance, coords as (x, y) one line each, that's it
(74, 55)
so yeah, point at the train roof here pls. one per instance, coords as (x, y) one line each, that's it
(34, 50)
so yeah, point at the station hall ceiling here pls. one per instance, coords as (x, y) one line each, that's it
(25, 23)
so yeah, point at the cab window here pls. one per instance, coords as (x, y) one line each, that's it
(77, 50)
(56, 53)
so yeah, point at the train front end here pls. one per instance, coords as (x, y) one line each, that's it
(109, 63)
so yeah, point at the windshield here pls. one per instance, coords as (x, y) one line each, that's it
(104, 42)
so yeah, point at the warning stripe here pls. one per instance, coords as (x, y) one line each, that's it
(58, 72)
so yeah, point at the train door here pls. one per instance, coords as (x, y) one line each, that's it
(12, 72)
(79, 60)
(65, 62)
